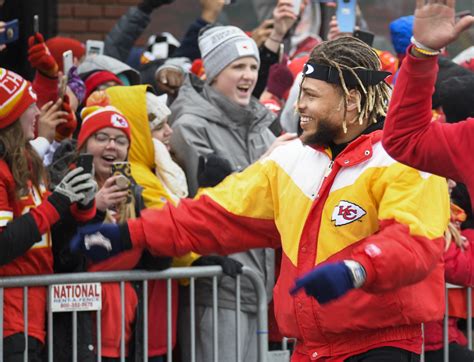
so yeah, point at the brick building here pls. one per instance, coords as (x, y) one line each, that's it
(92, 19)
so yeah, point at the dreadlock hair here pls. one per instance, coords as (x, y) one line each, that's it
(349, 53)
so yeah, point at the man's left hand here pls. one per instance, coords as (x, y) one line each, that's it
(329, 281)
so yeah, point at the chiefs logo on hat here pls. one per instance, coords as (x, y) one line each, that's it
(118, 121)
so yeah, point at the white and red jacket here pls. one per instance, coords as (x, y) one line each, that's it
(363, 205)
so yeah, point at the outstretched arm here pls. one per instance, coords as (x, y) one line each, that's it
(409, 135)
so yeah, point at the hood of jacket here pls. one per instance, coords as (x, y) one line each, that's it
(131, 101)
(199, 99)
(103, 62)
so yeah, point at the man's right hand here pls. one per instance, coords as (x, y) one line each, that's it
(435, 24)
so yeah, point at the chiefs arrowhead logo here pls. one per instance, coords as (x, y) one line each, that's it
(119, 121)
(346, 212)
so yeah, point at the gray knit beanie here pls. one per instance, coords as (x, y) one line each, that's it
(221, 45)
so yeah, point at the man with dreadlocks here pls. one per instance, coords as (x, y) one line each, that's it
(361, 233)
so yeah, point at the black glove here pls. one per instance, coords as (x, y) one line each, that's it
(229, 266)
(147, 6)
(212, 170)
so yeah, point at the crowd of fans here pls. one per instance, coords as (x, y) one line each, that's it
(227, 118)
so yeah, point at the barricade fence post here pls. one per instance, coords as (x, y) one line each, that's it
(48, 281)
(469, 317)
(192, 316)
(237, 318)
(25, 322)
(215, 338)
(145, 320)
(445, 327)
(169, 312)
(1, 324)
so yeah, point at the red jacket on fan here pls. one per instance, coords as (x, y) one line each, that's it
(37, 260)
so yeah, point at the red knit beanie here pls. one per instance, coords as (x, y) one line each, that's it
(58, 45)
(16, 95)
(96, 79)
(96, 118)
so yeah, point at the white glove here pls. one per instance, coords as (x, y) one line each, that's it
(75, 184)
(89, 195)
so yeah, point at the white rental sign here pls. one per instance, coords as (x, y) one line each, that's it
(75, 297)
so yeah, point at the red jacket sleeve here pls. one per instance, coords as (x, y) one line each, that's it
(83, 215)
(404, 259)
(409, 135)
(459, 264)
(202, 226)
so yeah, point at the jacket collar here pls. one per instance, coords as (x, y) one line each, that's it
(357, 150)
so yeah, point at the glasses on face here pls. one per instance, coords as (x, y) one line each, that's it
(104, 139)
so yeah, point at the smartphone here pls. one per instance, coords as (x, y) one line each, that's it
(346, 15)
(68, 61)
(366, 36)
(124, 179)
(85, 161)
(296, 6)
(94, 47)
(229, 2)
(11, 32)
(36, 25)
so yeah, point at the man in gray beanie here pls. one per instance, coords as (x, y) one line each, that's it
(220, 128)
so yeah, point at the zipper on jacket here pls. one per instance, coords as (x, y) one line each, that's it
(326, 174)
(328, 171)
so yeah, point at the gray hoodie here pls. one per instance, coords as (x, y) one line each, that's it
(205, 122)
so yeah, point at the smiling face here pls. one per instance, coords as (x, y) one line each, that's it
(107, 145)
(28, 121)
(321, 111)
(237, 80)
(163, 133)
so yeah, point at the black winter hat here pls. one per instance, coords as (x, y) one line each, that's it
(457, 97)
(447, 69)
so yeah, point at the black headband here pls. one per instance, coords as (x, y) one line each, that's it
(331, 75)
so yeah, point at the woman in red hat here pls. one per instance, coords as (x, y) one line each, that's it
(27, 212)
(105, 134)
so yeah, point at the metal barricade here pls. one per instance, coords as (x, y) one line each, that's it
(127, 276)
(446, 321)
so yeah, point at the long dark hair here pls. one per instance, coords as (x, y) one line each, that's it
(23, 161)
